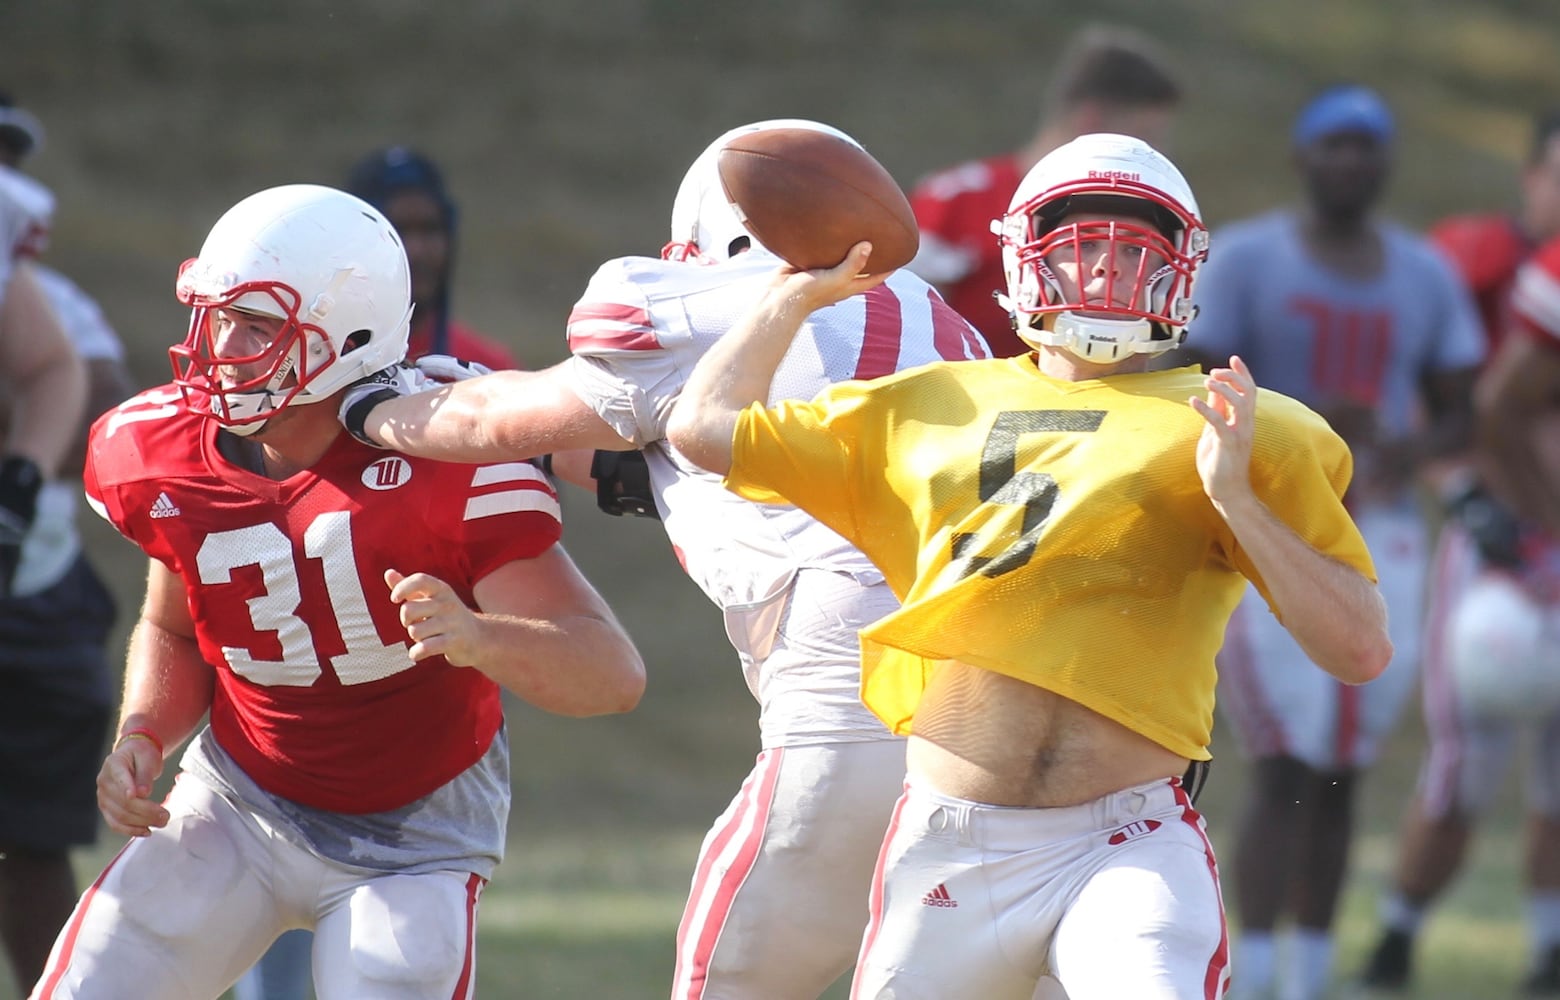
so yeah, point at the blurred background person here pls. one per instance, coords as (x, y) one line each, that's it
(56, 686)
(1108, 79)
(1366, 323)
(1496, 574)
(409, 188)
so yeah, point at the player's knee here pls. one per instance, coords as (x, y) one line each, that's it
(409, 929)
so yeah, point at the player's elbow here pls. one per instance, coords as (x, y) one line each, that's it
(702, 437)
(1365, 657)
(620, 688)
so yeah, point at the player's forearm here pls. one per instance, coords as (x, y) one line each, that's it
(1336, 615)
(168, 686)
(732, 375)
(50, 381)
(577, 665)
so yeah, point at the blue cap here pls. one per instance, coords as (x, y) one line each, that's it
(1348, 108)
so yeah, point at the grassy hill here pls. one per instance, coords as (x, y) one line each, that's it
(564, 126)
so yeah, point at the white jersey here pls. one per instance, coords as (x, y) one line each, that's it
(26, 207)
(636, 336)
(52, 544)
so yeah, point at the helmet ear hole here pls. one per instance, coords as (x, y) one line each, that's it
(738, 245)
(355, 340)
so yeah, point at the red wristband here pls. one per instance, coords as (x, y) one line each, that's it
(141, 733)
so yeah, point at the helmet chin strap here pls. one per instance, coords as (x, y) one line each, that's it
(1097, 339)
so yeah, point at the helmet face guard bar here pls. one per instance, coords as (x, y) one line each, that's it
(297, 355)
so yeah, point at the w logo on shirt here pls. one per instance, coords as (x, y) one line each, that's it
(387, 473)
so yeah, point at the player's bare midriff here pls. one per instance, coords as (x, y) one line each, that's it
(990, 738)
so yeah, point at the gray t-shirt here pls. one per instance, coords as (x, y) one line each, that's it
(460, 825)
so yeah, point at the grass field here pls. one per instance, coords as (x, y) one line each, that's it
(563, 128)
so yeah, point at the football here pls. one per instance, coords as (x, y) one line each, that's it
(810, 196)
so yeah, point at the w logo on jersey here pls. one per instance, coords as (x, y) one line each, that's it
(388, 473)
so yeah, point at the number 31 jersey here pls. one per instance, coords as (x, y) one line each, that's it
(316, 696)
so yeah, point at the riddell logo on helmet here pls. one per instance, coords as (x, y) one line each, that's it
(1114, 175)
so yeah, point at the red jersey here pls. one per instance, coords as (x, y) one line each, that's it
(959, 253)
(464, 343)
(1535, 298)
(1487, 250)
(316, 697)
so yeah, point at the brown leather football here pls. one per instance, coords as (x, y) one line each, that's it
(810, 196)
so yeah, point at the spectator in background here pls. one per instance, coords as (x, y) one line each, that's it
(1469, 753)
(409, 189)
(1368, 325)
(56, 692)
(1107, 80)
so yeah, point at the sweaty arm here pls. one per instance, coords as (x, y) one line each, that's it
(49, 383)
(503, 416)
(167, 690)
(543, 633)
(1515, 400)
(1334, 612)
(737, 370)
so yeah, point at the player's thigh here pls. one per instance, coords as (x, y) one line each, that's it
(949, 919)
(178, 914)
(1542, 784)
(398, 937)
(1148, 924)
(779, 896)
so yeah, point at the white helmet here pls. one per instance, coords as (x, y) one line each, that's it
(705, 225)
(1503, 651)
(327, 264)
(1109, 174)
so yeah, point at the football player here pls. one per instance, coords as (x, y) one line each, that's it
(50, 698)
(1068, 533)
(346, 617)
(1106, 79)
(1485, 548)
(779, 890)
(1364, 321)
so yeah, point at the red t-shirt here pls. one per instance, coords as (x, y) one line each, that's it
(316, 697)
(959, 253)
(1535, 297)
(1487, 250)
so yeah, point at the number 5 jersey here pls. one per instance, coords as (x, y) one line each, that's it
(1052, 531)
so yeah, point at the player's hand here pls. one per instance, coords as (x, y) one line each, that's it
(447, 368)
(359, 399)
(20, 481)
(826, 286)
(1224, 448)
(435, 618)
(124, 788)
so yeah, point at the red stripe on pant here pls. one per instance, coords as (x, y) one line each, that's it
(1221, 954)
(60, 961)
(744, 833)
(465, 986)
(875, 900)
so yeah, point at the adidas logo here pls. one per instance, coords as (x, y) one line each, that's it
(163, 507)
(939, 897)
(1134, 830)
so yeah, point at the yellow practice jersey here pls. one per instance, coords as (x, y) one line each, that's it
(1053, 531)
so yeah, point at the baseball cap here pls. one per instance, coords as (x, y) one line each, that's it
(1346, 108)
(18, 128)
